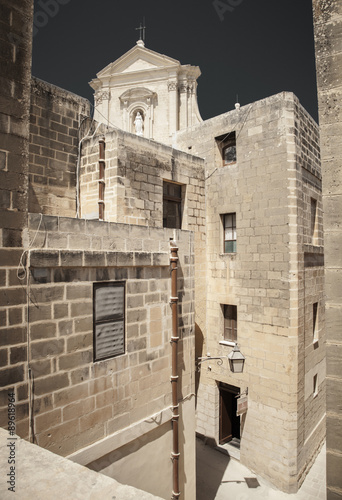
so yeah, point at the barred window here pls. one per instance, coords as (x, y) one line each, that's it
(109, 320)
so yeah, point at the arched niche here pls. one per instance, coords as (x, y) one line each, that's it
(140, 100)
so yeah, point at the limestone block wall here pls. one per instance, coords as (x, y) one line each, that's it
(57, 123)
(269, 187)
(71, 400)
(134, 174)
(15, 61)
(314, 358)
(135, 170)
(327, 24)
(311, 354)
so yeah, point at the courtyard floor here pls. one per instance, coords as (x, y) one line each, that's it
(220, 477)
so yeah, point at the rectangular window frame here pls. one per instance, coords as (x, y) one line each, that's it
(229, 323)
(229, 233)
(227, 148)
(177, 201)
(115, 319)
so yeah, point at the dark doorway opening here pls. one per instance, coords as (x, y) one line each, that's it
(229, 421)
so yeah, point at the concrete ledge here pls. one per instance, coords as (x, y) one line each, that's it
(40, 474)
(87, 258)
(120, 438)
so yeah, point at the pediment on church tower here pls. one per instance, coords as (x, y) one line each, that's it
(138, 59)
(156, 88)
(137, 93)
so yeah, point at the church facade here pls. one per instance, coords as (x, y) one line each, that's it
(159, 88)
(87, 304)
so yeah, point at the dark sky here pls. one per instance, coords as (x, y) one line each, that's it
(255, 48)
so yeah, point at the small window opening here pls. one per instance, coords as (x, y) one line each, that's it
(313, 222)
(229, 223)
(109, 319)
(172, 205)
(227, 146)
(315, 386)
(315, 321)
(230, 322)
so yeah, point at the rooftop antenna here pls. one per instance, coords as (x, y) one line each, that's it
(237, 104)
(142, 29)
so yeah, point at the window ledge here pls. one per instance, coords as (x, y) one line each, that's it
(228, 343)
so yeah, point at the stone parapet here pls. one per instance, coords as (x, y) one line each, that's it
(58, 477)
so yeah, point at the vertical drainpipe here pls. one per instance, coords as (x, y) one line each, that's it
(174, 377)
(102, 164)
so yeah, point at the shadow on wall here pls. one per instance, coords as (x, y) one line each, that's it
(140, 462)
(183, 328)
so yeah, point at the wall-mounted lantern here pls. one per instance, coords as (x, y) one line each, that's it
(236, 360)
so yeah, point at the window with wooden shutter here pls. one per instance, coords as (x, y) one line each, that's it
(109, 320)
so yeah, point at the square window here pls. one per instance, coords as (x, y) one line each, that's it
(229, 224)
(109, 320)
(172, 205)
(230, 322)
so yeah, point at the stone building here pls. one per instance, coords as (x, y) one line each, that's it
(327, 23)
(86, 321)
(88, 222)
(264, 254)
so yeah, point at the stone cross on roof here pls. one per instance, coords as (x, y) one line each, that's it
(142, 29)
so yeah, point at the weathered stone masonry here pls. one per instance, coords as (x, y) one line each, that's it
(111, 414)
(134, 175)
(15, 60)
(274, 278)
(58, 121)
(74, 401)
(77, 402)
(328, 23)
